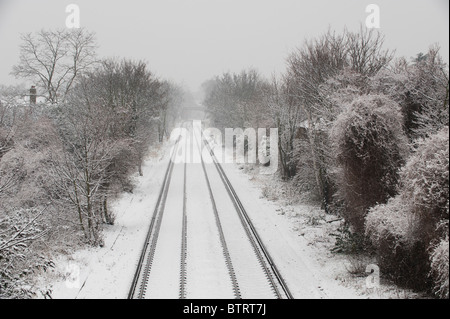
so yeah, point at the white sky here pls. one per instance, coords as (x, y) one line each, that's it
(189, 41)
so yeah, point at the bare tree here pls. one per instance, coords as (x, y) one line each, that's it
(54, 59)
(105, 123)
(286, 115)
(365, 51)
(428, 87)
(82, 170)
(141, 102)
(167, 101)
(308, 68)
(233, 99)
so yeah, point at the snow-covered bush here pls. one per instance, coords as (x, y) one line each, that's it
(439, 269)
(19, 230)
(28, 161)
(425, 178)
(348, 242)
(26, 190)
(369, 146)
(405, 230)
(389, 220)
(5, 140)
(401, 255)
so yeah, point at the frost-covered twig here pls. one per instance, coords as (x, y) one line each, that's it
(15, 240)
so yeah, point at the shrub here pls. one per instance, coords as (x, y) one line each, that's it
(369, 145)
(405, 230)
(28, 162)
(425, 182)
(348, 242)
(401, 255)
(18, 261)
(439, 269)
(5, 141)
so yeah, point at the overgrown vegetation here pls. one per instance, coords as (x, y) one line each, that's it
(363, 135)
(64, 158)
(369, 146)
(412, 228)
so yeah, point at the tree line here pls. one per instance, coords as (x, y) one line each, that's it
(65, 157)
(365, 135)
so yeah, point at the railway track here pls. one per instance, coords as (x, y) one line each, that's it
(226, 252)
(241, 265)
(139, 283)
(183, 258)
(273, 275)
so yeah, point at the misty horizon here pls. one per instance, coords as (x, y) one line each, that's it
(190, 42)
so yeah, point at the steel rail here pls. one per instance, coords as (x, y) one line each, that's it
(251, 231)
(183, 266)
(226, 253)
(152, 232)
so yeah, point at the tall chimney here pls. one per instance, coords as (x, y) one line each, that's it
(33, 95)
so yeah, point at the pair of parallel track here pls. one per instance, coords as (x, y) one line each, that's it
(140, 280)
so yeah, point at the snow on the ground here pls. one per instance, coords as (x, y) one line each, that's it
(296, 261)
(297, 236)
(107, 272)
